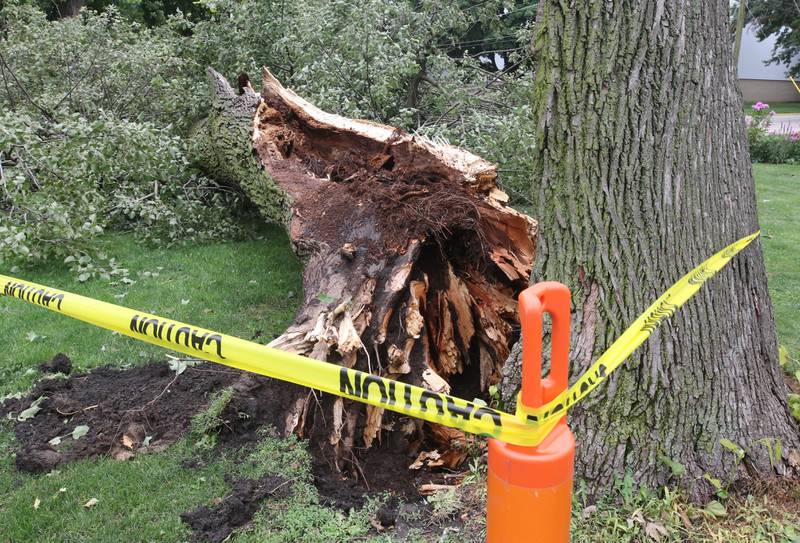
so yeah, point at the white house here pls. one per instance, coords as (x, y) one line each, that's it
(759, 81)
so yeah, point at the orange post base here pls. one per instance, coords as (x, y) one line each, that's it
(530, 490)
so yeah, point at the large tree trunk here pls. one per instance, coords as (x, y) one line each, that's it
(412, 259)
(641, 172)
(70, 8)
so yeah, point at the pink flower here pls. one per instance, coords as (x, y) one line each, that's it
(795, 136)
(758, 106)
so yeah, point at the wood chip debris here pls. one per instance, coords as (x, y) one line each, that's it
(432, 488)
(430, 459)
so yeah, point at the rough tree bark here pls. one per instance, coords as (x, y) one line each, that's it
(412, 258)
(641, 172)
(70, 8)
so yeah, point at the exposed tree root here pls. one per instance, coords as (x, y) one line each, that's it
(413, 260)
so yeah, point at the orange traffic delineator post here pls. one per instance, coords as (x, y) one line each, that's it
(530, 488)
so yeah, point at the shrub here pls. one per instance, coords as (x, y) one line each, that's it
(91, 115)
(64, 184)
(759, 122)
(498, 125)
(94, 109)
(97, 64)
(382, 60)
(770, 148)
(775, 149)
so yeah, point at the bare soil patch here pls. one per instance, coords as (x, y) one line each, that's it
(215, 524)
(141, 402)
(145, 408)
(60, 363)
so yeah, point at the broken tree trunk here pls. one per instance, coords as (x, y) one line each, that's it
(413, 261)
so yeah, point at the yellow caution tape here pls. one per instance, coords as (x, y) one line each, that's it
(638, 332)
(528, 427)
(794, 83)
(245, 355)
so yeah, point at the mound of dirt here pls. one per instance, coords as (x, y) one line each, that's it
(215, 524)
(132, 411)
(375, 470)
(60, 363)
(145, 408)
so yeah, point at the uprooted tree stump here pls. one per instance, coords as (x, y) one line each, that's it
(413, 259)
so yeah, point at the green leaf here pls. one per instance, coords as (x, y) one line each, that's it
(716, 483)
(733, 447)
(678, 469)
(783, 355)
(32, 410)
(716, 509)
(84, 277)
(178, 366)
(794, 405)
(55, 441)
(80, 431)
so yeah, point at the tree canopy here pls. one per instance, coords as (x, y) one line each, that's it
(782, 18)
(69, 87)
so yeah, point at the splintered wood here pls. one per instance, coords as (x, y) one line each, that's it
(413, 259)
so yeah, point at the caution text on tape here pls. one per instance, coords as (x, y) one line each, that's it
(528, 427)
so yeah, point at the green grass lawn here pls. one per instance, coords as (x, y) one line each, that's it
(138, 500)
(777, 107)
(235, 288)
(246, 288)
(778, 188)
(242, 288)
